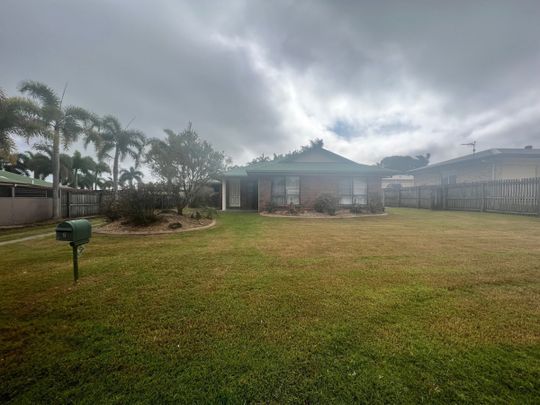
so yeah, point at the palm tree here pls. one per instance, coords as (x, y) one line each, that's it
(79, 163)
(40, 164)
(104, 183)
(65, 162)
(59, 124)
(118, 143)
(17, 116)
(99, 168)
(130, 175)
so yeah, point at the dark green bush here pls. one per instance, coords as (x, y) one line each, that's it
(137, 205)
(271, 207)
(209, 212)
(326, 203)
(111, 209)
(376, 207)
(295, 209)
(357, 209)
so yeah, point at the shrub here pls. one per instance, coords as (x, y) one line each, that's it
(295, 209)
(326, 203)
(209, 212)
(137, 206)
(196, 215)
(376, 207)
(111, 209)
(357, 209)
(271, 207)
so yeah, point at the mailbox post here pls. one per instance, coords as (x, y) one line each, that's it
(77, 232)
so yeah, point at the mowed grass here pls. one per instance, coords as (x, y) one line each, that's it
(417, 306)
(7, 234)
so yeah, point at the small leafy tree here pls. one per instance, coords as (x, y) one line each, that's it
(185, 163)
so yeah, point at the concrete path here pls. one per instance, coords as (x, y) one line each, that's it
(41, 235)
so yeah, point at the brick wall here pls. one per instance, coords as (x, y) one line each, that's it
(265, 191)
(313, 186)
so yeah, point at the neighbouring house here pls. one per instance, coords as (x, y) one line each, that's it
(23, 199)
(398, 181)
(491, 164)
(299, 179)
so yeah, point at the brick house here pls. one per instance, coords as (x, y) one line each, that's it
(491, 164)
(299, 179)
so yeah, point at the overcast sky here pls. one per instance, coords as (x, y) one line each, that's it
(371, 78)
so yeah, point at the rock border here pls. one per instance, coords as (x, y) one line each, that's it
(146, 233)
(265, 214)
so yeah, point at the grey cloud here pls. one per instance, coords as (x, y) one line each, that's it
(453, 69)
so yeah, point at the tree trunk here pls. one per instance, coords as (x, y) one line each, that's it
(57, 213)
(115, 173)
(76, 178)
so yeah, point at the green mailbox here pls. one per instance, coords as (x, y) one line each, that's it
(77, 232)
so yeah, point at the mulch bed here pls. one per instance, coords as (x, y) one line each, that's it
(315, 214)
(167, 223)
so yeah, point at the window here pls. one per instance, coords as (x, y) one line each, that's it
(345, 191)
(450, 179)
(286, 190)
(292, 189)
(278, 190)
(32, 192)
(352, 191)
(359, 191)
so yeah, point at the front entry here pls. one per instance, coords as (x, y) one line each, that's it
(234, 193)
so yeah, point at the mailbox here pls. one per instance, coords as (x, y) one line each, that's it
(78, 231)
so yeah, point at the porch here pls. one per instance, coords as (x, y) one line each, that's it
(240, 194)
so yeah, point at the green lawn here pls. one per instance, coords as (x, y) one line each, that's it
(417, 306)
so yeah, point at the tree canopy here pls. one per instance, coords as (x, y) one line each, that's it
(185, 162)
(405, 163)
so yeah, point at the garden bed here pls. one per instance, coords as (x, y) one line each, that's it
(166, 223)
(315, 214)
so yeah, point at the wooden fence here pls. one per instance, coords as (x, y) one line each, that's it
(520, 196)
(81, 203)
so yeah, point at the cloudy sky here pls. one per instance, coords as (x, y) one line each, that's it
(370, 78)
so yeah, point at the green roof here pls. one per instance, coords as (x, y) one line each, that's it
(316, 168)
(12, 178)
(239, 171)
(297, 163)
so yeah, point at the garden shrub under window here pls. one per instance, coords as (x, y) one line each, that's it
(326, 203)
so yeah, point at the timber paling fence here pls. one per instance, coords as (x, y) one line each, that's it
(519, 196)
(81, 203)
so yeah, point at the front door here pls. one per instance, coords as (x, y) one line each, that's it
(234, 193)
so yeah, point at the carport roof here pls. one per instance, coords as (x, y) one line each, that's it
(12, 178)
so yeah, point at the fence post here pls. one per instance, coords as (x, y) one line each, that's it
(68, 202)
(483, 202)
(538, 196)
(445, 197)
(418, 195)
(399, 197)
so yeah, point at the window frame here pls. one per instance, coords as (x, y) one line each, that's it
(282, 196)
(351, 195)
